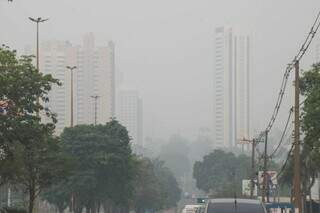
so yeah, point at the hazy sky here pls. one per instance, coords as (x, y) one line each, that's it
(165, 48)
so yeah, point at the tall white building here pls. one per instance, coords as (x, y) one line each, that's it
(130, 114)
(54, 57)
(242, 85)
(223, 88)
(231, 87)
(94, 76)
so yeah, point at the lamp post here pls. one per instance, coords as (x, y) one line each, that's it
(37, 21)
(71, 117)
(95, 97)
(71, 91)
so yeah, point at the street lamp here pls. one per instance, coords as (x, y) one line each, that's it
(95, 97)
(71, 102)
(71, 117)
(37, 21)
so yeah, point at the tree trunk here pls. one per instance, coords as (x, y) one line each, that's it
(93, 207)
(98, 206)
(78, 209)
(32, 195)
(107, 206)
(139, 210)
(61, 209)
(125, 209)
(87, 209)
(310, 204)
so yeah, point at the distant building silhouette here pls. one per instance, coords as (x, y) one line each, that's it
(94, 75)
(231, 87)
(130, 114)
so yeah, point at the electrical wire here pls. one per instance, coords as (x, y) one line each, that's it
(283, 133)
(285, 163)
(304, 47)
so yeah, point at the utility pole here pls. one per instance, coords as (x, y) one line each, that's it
(253, 172)
(95, 97)
(69, 68)
(37, 21)
(318, 178)
(72, 208)
(71, 93)
(296, 152)
(265, 161)
(253, 169)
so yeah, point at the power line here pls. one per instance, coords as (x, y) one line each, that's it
(283, 133)
(296, 145)
(304, 47)
(259, 139)
(309, 38)
(285, 163)
(287, 159)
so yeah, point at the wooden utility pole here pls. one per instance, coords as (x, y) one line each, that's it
(296, 152)
(253, 170)
(265, 160)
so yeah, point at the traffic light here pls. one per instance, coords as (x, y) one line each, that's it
(201, 200)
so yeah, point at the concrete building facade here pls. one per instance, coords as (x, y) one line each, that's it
(130, 114)
(94, 76)
(231, 87)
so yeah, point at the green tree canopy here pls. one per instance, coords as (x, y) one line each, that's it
(21, 85)
(155, 187)
(310, 89)
(29, 152)
(310, 117)
(102, 167)
(221, 173)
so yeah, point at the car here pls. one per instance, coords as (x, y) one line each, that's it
(193, 209)
(231, 205)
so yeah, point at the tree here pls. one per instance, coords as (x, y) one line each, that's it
(56, 196)
(102, 167)
(21, 85)
(147, 194)
(170, 191)
(29, 151)
(221, 173)
(310, 117)
(310, 88)
(175, 154)
(155, 187)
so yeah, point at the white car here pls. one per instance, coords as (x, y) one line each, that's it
(193, 209)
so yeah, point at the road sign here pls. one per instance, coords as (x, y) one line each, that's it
(246, 186)
(271, 178)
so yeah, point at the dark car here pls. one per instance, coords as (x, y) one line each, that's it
(235, 206)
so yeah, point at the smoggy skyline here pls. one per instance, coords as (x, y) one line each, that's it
(165, 49)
